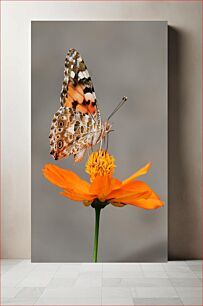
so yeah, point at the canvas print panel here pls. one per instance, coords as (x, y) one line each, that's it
(127, 58)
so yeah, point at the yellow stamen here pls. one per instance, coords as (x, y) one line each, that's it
(100, 163)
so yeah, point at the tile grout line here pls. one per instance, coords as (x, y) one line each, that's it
(174, 288)
(46, 286)
(200, 262)
(16, 286)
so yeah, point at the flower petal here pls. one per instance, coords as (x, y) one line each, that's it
(140, 172)
(118, 204)
(136, 188)
(101, 186)
(65, 179)
(116, 184)
(145, 203)
(138, 194)
(124, 192)
(80, 197)
(87, 203)
(123, 195)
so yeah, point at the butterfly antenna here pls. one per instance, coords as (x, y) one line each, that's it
(117, 107)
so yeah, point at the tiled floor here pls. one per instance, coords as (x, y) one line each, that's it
(172, 283)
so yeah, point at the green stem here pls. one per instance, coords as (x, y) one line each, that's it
(96, 233)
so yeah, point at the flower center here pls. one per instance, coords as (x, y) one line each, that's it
(100, 163)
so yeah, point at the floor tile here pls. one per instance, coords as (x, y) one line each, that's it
(91, 267)
(117, 301)
(116, 292)
(157, 301)
(30, 292)
(9, 292)
(12, 262)
(193, 262)
(196, 268)
(6, 268)
(37, 279)
(69, 301)
(155, 274)
(88, 282)
(171, 283)
(193, 301)
(90, 275)
(189, 291)
(185, 282)
(122, 274)
(179, 274)
(89, 279)
(68, 271)
(198, 274)
(175, 263)
(133, 267)
(112, 282)
(61, 282)
(136, 282)
(147, 282)
(73, 292)
(14, 276)
(46, 267)
(147, 292)
(21, 301)
(4, 301)
(176, 268)
(152, 267)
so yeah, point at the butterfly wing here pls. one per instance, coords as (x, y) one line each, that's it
(71, 133)
(77, 124)
(77, 89)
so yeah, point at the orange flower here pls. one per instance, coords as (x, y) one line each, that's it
(103, 186)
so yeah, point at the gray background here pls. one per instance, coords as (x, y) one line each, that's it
(123, 58)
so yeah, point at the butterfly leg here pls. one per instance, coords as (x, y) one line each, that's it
(92, 144)
(107, 141)
(101, 144)
(90, 151)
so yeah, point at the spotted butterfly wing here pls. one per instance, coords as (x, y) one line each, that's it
(77, 124)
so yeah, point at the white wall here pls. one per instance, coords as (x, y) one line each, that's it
(184, 139)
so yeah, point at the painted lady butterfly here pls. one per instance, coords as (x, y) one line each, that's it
(77, 124)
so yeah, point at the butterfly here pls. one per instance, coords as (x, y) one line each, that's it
(77, 124)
